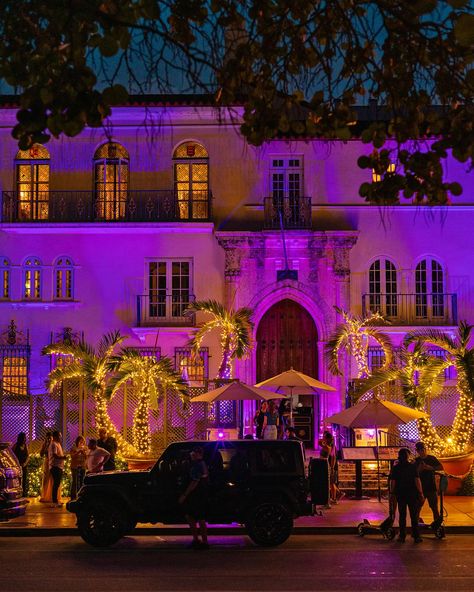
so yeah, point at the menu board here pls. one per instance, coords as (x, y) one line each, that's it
(388, 452)
(358, 453)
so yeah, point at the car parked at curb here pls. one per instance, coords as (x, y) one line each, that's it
(12, 502)
(260, 484)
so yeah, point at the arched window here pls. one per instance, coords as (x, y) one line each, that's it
(32, 183)
(5, 269)
(111, 169)
(191, 181)
(63, 279)
(429, 288)
(383, 288)
(32, 279)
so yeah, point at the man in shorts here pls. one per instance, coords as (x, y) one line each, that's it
(194, 500)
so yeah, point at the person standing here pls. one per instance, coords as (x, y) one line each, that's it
(56, 458)
(20, 450)
(259, 418)
(271, 421)
(97, 457)
(47, 481)
(405, 484)
(194, 499)
(427, 464)
(108, 443)
(78, 465)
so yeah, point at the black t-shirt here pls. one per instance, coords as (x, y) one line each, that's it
(427, 478)
(404, 475)
(109, 444)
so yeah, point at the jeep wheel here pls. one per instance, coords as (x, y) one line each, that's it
(269, 523)
(102, 523)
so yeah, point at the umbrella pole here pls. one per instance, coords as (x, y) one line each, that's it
(379, 494)
(291, 406)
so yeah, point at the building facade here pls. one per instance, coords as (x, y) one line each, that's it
(120, 228)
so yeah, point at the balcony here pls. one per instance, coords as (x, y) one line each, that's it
(165, 310)
(120, 206)
(413, 309)
(291, 213)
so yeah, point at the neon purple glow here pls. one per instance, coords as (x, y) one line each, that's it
(220, 434)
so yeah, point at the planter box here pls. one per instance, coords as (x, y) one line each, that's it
(458, 466)
(140, 463)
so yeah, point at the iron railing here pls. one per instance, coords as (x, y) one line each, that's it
(289, 212)
(158, 309)
(106, 206)
(413, 309)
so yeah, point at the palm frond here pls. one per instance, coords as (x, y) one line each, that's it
(384, 340)
(109, 342)
(431, 376)
(196, 340)
(377, 380)
(465, 364)
(339, 339)
(61, 373)
(210, 306)
(433, 336)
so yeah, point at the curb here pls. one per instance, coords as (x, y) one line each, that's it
(20, 531)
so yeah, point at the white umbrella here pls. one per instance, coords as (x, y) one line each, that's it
(237, 391)
(286, 382)
(372, 414)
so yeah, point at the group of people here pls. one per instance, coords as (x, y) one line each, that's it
(272, 421)
(411, 483)
(327, 450)
(98, 455)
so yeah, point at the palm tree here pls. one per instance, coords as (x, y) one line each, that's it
(153, 378)
(461, 356)
(419, 377)
(235, 327)
(93, 367)
(354, 336)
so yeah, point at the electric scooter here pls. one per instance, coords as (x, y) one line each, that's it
(438, 525)
(385, 528)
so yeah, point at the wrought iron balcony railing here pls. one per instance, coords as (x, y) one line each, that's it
(287, 212)
(413, 309)
(106, 206)
(158, 309)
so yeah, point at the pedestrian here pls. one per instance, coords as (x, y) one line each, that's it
(405, 484)
(56, 459)
(46, 481)
(97, 457)
(427, 464)
(194, 500)
(271, 422)
(20, 450)
(328, 451)
(259, 418)
(78, 464)
(108, 443)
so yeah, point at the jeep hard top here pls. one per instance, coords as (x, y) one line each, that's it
(260, 484)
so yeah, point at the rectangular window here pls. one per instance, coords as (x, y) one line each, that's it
(193, 368)
(149, 352)
(63, 290)
(169, 289)
(32, 288)
(5, 293)
(15, 369)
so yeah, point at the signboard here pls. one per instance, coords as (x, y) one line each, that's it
(359, 453)
(388, 452)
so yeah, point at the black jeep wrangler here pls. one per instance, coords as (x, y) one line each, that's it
(260, 484)
(12, 502)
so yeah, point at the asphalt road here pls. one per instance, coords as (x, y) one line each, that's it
(319, 563)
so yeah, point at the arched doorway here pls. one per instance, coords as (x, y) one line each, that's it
(287, 337)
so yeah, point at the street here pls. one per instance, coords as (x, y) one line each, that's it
(326, 562)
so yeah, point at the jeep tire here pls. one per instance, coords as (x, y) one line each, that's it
(269, 523)
(102, 523)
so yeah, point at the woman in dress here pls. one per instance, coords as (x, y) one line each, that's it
(259, 418)
(46, 495)
(20, 450)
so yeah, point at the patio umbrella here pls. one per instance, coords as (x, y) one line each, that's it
(237, 391)
(372, 414)
(286, 382)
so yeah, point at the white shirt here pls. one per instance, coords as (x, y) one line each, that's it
(95, 458)
(55, 448)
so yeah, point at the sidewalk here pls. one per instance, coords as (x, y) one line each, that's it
(41, 520)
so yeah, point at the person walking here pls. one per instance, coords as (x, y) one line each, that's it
(56, 458)
(46, 481)
(97, 457)
(405, 484)
(20, 450)
(271, 421)
(328, 451)
(427, 464)
(78, 464)
(108, 443)
(194, 500)
(259, 419)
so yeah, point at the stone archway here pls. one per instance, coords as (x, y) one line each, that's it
(287, 337)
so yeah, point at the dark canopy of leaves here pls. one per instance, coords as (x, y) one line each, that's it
(296, 67)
